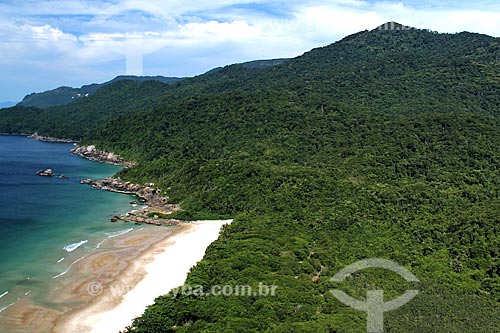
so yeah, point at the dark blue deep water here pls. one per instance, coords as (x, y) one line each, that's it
(47, 223)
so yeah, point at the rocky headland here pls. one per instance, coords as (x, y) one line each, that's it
(35, 136)
(91, 153)
(157, 207)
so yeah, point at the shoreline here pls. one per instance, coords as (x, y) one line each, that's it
(42, 138)
(130, 270)
(157, 209)
(93, 154)
(159, 269)
(154, 273)
(68, 291)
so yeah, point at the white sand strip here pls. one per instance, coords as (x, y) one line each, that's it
(164, 270)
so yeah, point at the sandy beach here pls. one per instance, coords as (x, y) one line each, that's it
(157, 270)
(109, 287)
(104, 284)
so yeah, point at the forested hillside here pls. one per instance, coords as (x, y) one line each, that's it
(77, 119)
(67, 95)
(385, 144)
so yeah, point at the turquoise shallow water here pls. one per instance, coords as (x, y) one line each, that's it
(46, 223)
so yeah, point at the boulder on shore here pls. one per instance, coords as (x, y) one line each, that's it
(151, 196)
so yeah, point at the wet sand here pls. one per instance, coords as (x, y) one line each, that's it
(108, 288)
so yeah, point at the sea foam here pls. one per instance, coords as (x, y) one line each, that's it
(74, 246)
(67, 270)
(114, 234)
(6, 307)
(119, 233)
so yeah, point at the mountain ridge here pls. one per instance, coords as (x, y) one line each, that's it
(64, 95)
(7, 104)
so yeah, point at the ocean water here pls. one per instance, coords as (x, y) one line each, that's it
(46, 223)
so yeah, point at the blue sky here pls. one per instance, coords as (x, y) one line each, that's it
(49, 43)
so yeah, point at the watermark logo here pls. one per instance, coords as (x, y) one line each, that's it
(260, 290)
(134, 45)
(393, 26)
(94, 289)
(374, 306)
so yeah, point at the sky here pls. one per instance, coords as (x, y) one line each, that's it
(45, 44)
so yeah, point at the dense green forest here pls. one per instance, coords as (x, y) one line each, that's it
(67, 95)
(385, 144)
(75, 120)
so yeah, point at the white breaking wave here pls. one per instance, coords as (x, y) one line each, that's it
(74, 246)
(119, 233)
(5, 293)
(67, 270)
(6, 307)
(99, 244)
(60, 260)
(114, 234)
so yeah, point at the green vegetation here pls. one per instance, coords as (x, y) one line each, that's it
(67, 95)
(75, 120)
(59, 96)
(383, 145)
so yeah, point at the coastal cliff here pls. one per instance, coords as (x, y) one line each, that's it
(91, 153)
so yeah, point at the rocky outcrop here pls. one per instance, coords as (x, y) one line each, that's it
(157, 208)
(150, 195)
(145, 216)
(35, 136)
(157, 205)
(45, 173)
(50, 173)
(91, 153)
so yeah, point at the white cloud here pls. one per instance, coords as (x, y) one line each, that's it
(221, 31)
(179, 37)
(327, 23)
(48, 33)
(486, 22)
